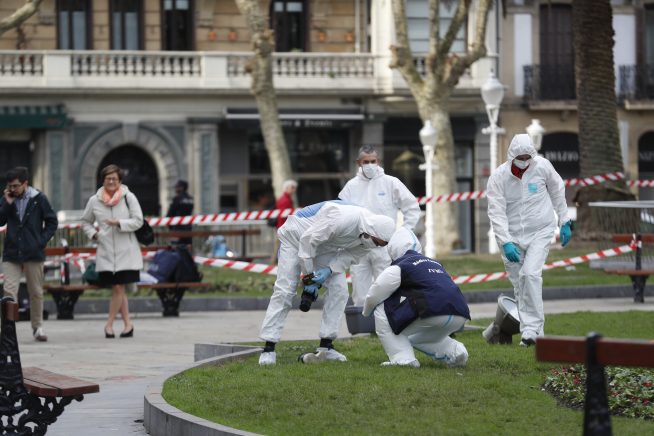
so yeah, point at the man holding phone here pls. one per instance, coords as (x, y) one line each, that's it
(31, 222)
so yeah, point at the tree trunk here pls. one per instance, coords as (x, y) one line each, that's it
(432, 94)
(19, 17)
(599, 141)
(263, 90)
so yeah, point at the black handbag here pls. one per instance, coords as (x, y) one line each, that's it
(145, 235)
(272, 222)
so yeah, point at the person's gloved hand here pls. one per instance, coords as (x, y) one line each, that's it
(511, 252)
(566, 233)
(320, 276)
(312, 289)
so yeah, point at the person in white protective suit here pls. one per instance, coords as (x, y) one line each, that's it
(324, 239)
(523, 194)
(383, 195)
(416, 305)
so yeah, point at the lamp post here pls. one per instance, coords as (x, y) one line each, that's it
(429, 138)
(535, 131)
(492, 92)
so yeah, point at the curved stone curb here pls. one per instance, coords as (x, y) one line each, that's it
(162, 419)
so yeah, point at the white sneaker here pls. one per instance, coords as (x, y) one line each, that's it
(459, 358)
(317, 357)
(333, 354)
(269, 358)
(412, 363)
(528, 338)
(39, 335)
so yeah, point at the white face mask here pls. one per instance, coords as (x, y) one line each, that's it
(367, 242)
(521, 164)
(369, 170)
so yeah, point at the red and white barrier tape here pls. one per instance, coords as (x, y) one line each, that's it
(277, 213)
(559, 263)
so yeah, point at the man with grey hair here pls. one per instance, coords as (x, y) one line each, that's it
(284, 202)
(383, 195)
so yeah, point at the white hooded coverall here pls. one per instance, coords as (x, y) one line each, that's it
(383, 195)
(429, 335)
(319, 236)
(522, 211)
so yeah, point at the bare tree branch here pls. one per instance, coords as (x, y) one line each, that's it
(455, 25)
(459, 65)
(21, 14)
(402, 55)
(434, 26)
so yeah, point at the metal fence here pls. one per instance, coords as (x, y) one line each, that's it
(623, 218)
(550, 82)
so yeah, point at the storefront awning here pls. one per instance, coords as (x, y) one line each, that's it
(324, 119)
(33, 117)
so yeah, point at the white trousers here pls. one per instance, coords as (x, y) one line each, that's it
(430, 336)
(288, 277)
(366, 272)
(526, 277)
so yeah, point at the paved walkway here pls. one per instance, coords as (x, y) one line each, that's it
(124, 367)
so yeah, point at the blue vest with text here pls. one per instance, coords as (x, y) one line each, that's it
(427, 290)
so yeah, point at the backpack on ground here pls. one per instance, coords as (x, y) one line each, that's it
(91, 276)
(164, 264)
(187, 270)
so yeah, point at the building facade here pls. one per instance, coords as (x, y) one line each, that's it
(159, 87)
(537, 68)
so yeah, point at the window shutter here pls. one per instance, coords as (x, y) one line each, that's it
(640, 35)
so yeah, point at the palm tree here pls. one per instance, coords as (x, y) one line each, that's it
(599, 143)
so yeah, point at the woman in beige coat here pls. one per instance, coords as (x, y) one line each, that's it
(118, 260)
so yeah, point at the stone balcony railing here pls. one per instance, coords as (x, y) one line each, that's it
(105, 70)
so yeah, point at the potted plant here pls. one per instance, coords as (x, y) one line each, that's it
(212, 35)
(349, 36)
(322, 35)
(232, 34)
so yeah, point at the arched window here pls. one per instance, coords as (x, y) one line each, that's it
(289, 21)
(74, 25)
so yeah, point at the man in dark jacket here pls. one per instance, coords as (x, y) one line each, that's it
(182, 205)
(31, 222)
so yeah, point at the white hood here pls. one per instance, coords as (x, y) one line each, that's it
(402, 241)
(521, 144)
(379, 226)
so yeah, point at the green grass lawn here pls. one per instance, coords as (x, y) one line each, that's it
(234, 283)
(497, 393)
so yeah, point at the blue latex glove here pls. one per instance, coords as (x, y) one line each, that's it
(566, 233)
(511, 252)
(320, 277)
(312, 289)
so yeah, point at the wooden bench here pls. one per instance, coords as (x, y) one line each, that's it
(170, 294)
(638, 275)
(66, 295)
(24, 389)
(596, 353)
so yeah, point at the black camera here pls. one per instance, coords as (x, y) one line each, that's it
(307, 297)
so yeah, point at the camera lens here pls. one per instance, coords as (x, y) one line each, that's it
(307, 300)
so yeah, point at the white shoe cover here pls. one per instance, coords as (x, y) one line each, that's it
(269, 358)
(528, 338)
(459, 356)
(333, 354)
(319, 357)
(412, 363)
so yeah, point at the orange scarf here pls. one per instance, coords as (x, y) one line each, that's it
(112, 201)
